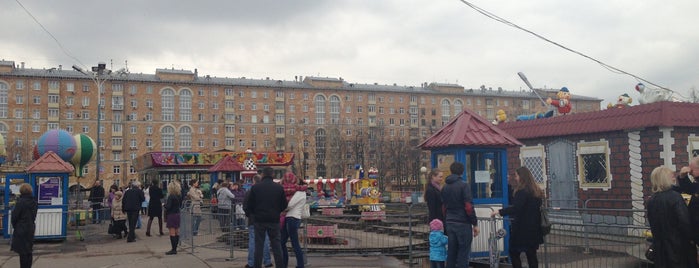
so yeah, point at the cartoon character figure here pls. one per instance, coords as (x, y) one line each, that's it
(373, 173)
(563, 101)
(651, 95)
(623, 101)
(374, 193)
(533, 116)
(500, 117)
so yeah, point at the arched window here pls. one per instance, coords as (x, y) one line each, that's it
(168, 101)
(446, 108)
(185, 138)
(167, 136)
(458, 106)
(320, 110)
(3, 100)
(334, 110)
(185, 105)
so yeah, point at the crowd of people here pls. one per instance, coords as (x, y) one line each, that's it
(453, 222)
(274, 211)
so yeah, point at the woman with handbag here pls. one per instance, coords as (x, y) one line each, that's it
(668, 217)
(525, 231)
(118, 216)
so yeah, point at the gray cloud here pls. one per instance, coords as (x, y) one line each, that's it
(394, 41)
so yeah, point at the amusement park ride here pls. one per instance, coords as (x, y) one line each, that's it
(361, 195)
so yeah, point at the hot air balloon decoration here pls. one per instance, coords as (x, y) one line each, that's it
(86, 149)
(57, 141)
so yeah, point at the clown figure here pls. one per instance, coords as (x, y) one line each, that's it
(563, 101)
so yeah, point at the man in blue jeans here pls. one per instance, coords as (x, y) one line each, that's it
(460, 217)
(267, 260)
(251, 239)
(265, 203)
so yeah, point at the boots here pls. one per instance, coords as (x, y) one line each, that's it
(150, 221)
(174, 240)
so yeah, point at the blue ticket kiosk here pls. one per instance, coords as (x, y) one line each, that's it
(48, 177)
(482, 148)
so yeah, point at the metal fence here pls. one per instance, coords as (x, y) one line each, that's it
(587, 237)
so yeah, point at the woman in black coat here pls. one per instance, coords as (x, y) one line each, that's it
(669, 221)
(155, 207)
(23, 225)
(433, 196)
(525, 231)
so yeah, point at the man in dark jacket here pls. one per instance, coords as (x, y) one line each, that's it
(686, 186)
(96, 198)
(131, 205)
(265, 203)
(460, 215)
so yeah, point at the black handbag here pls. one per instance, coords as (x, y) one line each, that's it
(110, 229)
(545, 223)
(650, 253)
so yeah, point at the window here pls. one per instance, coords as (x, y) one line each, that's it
(19, 85)
(533, 157)
(334, 109)
(186, 106)
(116, 169)
(167, 136)
(593, 165)
(445, 111)
(167, 100)
(186, 138)
(320, 109)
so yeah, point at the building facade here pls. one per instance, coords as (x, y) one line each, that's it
(329, 123)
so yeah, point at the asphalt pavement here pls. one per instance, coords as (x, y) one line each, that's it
(101, 250)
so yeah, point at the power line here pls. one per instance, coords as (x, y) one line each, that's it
(49, 33)
(606, 66)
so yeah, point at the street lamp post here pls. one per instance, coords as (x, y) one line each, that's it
(97, 76)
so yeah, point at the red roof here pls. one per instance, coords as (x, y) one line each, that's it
(469, 129)
(659, 114)
(226, 164)
(48, 163)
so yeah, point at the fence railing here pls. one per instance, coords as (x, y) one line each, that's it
(583, 237)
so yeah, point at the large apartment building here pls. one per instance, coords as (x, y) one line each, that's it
(331, 124)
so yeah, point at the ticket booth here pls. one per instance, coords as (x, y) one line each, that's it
(48, 177)
(482, 148)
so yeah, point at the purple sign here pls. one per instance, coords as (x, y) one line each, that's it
(48, 189)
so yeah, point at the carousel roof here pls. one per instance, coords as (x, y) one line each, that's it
(659, 114)
(468, 129)
(226, 164)
(48, 163)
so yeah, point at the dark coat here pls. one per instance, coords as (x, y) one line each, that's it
(132, 199)
(433, 198)
(172, 205)
(525, 231)
(155, 207)
(96, 194)
(265, 201)
(669, 221)
(458, 201)
(691, 188)
(23, 224)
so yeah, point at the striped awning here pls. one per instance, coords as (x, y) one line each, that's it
(353, 181)
(333, 180)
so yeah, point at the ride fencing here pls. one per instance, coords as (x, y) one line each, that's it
(586, 237)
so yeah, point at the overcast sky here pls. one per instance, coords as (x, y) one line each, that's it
(406, 42)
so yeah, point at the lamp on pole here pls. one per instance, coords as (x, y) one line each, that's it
(97, 76)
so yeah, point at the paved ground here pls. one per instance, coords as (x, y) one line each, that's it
(150, 252)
